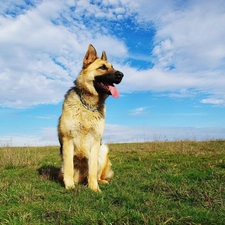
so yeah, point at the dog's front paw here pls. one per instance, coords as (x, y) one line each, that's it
(94, 187)
(69, 184)
(69, 187)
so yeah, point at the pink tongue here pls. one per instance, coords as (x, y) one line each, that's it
(114, 91)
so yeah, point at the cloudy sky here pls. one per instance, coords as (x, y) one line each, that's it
(172, 54)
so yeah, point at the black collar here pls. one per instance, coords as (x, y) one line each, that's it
(86, 106)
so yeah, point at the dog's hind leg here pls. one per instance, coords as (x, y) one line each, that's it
(105, 172)
(68, 165)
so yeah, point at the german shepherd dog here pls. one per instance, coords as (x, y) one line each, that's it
(81, 125)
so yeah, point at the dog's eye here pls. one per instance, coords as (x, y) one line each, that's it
(103, 67)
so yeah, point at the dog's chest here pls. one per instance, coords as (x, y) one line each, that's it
(83, 123)
(78, 122)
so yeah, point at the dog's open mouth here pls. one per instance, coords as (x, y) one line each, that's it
(105, 83)
(108, 88)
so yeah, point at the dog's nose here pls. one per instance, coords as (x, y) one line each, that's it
(119, 74)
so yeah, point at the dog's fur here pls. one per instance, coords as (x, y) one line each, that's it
(81, 124)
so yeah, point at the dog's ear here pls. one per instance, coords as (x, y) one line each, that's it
(90, 57)
(104, 57)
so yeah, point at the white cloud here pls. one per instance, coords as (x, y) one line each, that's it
(159, 80)
(40, 58)
(196, 37)
(117, 134)
(214, 101)
(15, 140)
(138, 111)
(189, 40)
(47, 136)
(42, 49)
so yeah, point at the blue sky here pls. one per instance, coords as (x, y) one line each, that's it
(171, 52)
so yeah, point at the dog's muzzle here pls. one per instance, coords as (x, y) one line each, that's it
(118, 77)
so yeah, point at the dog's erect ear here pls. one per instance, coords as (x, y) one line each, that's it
(90, 56)
(104, 57)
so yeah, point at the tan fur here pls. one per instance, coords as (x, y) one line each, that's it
(81, 127)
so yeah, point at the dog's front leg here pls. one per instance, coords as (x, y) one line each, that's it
(93, 168)
(68, 167)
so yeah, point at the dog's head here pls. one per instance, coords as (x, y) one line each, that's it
(101, 73)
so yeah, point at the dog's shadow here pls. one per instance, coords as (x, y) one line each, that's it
(54, 174)
(51, 173)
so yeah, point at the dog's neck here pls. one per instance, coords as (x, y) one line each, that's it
(97, 104)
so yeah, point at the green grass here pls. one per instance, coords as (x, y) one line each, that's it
(155, 183)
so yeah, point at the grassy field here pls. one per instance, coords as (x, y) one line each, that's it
(155, 183)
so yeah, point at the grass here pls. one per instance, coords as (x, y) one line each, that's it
(155, 183)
